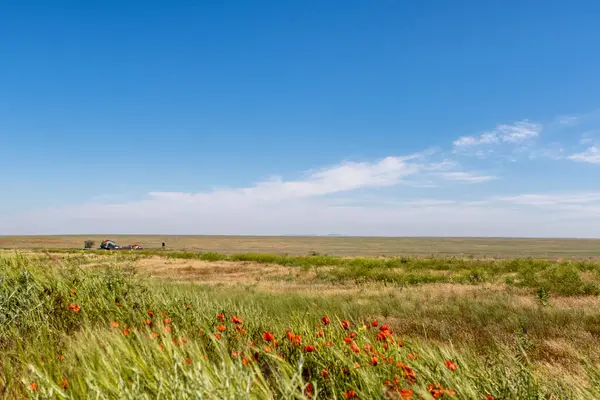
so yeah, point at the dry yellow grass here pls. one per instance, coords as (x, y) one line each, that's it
(342, 246)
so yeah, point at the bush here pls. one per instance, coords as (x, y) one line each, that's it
(89, 244)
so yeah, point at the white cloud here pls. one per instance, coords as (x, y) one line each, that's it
(344, 177)
(553, 199)
(506, 133)
(468, 177)
(590, 155)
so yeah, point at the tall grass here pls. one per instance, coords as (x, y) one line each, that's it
(58, 335)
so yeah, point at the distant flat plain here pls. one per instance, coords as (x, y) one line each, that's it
(331, 245)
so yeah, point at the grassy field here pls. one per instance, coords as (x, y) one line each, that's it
(340, 246)
(76, 324)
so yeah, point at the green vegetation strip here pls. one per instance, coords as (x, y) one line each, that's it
(565, 277)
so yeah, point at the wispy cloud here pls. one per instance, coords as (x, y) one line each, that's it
(505, 133)
(468, 177)
(567, 120)
(553, 151)
(590, 155)
(412, 170)
(552, 199)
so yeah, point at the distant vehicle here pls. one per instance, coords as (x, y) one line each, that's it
(108, 244)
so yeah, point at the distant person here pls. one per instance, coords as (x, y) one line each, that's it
(163, 245)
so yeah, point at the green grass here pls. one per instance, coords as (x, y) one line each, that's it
(565, 277)
(502, 347)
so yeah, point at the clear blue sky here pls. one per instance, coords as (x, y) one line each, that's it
(103, 104)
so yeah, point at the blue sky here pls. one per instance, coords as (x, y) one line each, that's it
(351, 117)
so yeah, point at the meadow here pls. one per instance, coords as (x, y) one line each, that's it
(152, 324)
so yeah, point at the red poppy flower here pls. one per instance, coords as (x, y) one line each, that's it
(350, 394)
(64, 384)
(221, 328)
(167, 321)
(33, 386)
(74, 307)
(409, 373)
(236, 320)
(114, 324)
(240, 329)
(148, 322)
(325, 373)
(451, 366)
(406, 394)
(375, 324)
(320, 334)
(437, 391)
(268, 336)
(374, 361)
(308, 391)
(326, 320)
(309, 349)
(221, 317)
(346, 324)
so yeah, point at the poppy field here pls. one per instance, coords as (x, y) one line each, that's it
(95, 326)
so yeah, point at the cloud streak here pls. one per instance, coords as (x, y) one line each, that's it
(506, 133)
(468, 177)
(590, 155)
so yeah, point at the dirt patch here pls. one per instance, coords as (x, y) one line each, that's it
(218, 272)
